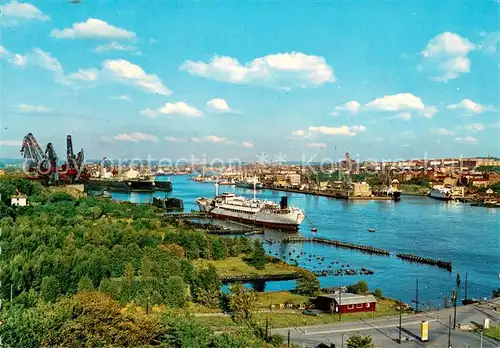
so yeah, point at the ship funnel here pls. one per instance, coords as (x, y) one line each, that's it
(284, 202)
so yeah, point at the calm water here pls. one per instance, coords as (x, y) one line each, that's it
(467, 236)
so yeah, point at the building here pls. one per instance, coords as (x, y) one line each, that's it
(346, 303)
(19, 201)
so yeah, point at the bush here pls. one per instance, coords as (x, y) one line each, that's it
(378, 293)
(360, 288)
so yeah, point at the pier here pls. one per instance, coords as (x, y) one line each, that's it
(426, 260)
(363, 248)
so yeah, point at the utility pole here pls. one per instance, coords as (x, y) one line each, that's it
(400, 320)
(454, 296)
(481, 341)
(340, 304)
(449, 331)
(288, 337)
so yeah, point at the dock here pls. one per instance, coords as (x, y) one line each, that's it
(192, 215)
(336, 243)
(427, 260)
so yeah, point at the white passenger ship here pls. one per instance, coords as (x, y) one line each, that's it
(254, 211)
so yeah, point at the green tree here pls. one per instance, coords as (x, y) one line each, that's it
(145, 270)
(308, 284)
(185, 332)
(242, 302)
(175, 292)
(378, 293)
(50, 288)
(358, 341)
(218, 249)
(496, 293)
(128, 274)
(85, 284)
(207, 287)
(360, 288)
(258, 258)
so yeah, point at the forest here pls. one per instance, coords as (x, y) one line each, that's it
(92, 272)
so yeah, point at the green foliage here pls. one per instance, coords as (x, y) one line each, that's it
(85, 284)
(360, 288)
(419, 181)
(495, 169)
(258, 258)
(358, 341)
(206, 287)
(50, 288)
(176, 292)
(378, 293)
(185, 332)
(145, 270)
(242, 302)
(308, 284)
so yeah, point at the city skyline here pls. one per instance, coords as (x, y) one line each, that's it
(233, 80)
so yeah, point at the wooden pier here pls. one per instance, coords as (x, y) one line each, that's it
(427, 260)
(363, 248)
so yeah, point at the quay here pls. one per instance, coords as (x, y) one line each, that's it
(192, 215)
(363, 248)
(415, 258)
(343, 272)
(329, 194)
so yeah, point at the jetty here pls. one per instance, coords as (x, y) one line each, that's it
(336, 243)
(427, 260)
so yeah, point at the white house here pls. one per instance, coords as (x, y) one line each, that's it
(18, 201)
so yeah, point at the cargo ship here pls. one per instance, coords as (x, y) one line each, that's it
(257, 212)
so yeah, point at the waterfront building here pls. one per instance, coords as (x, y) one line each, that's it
(19, 201)
(346, 303)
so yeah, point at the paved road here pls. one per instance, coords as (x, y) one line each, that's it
(385, 331)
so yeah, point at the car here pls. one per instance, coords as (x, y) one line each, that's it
(311, 312)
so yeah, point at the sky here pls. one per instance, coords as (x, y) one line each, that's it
(288, 81)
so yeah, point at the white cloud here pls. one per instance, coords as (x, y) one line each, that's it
(475, 127)
(11, 143)
(178, 108)
(316, 145)
(125, 71)
(247, 144)
(445, 56)
(490, 44)
(29, 109)
(174, 139)
(342, 130)
(442, 131)
(210, 139)
(220, 105)
(467, 140)
(18, 60)
(114, 46)
(282, 70)
(404, 115)
(402, 102)
(93, 29)
(136, 137)
(122, 97)
(46, 61)
(87, 75)
(351, 106)
(15, 12)
(470, 107)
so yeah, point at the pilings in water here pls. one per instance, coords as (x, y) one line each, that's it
(426, 260)
(363, 248)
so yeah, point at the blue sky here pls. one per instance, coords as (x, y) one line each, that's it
(169, 80)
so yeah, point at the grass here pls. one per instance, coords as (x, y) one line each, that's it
(269, 298)
(236, 266)
(194, 307)
(493, 332)
(414, 189)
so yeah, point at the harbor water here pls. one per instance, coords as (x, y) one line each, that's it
(449, 231)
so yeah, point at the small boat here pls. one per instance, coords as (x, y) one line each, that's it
(371, 230)
(314, 229)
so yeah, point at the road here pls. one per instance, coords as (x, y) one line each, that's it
(385, 331)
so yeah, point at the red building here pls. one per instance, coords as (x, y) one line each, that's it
(346, 303)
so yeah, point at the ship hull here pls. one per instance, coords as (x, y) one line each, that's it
(436, 194)
(276, 221)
